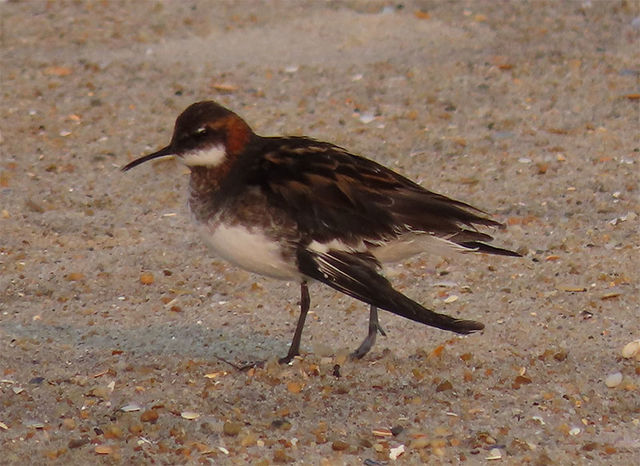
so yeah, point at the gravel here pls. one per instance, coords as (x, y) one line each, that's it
(121, 338)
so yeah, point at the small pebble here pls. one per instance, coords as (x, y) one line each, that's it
(231, 429)
(382, 432)
(370, 462)
(248, 440)
(339, 445)
(631, 349)
(34, 424)
(295, 387)
(444, 386)
(395, 452)
(130, 407)
(613, 380)
(281, 424)
(113, 431)
(539, 419)
(103, 449)
(367, 117)
(279, 456)
(100, 392)
(78, 442)
(149, 416)
(135, 428)
(420, 442)
(68, 423)
(494, 454)
(146, 278)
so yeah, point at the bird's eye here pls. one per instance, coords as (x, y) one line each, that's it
(201, 130)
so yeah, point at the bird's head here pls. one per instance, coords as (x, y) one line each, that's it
(205, 135)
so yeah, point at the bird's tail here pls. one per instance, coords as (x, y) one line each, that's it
(356, 274)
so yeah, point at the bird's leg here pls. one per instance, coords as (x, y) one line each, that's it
(373, 314)
(374, 328)
(305, 301)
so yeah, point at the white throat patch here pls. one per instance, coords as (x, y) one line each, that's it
(210, 157)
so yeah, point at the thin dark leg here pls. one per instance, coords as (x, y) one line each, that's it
(374, 328)
(305, 301)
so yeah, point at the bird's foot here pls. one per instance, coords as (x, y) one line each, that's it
(288, 358)
(368, 342)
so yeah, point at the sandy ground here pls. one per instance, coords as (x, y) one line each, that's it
(529, 110)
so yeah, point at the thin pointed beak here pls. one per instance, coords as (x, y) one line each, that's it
(164, 152)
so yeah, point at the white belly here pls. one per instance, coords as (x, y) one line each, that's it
(250, 250)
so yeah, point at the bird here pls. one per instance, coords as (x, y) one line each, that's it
(298, 209)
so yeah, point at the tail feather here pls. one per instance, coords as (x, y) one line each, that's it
(356, 275)
(486, 248)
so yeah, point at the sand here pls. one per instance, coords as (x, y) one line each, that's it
(116, 322)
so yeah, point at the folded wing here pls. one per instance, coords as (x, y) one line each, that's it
(338, 195)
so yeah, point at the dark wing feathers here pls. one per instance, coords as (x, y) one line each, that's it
(356, 275)
(338, 195)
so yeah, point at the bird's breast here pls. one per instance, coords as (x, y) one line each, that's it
(245, 230)
(250, 249)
